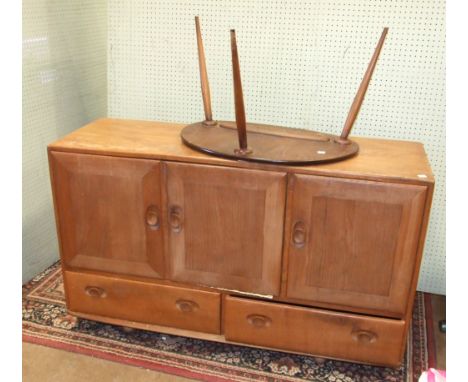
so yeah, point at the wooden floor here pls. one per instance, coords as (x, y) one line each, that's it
(42, 364)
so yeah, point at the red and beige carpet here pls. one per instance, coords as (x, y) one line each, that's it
(46, 322)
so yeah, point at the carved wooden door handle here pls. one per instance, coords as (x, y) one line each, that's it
(187, 305)
(95, 291)
(176, 218)
(364, 336)
(259, 320)
(299, 234)
(152, 217)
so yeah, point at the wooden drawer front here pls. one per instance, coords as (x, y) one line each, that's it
(143, 302)
(319, 332)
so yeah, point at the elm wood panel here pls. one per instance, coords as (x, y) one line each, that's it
(314, 331)
(377, 243)
(286, 236)
(422, 240)
(109, 213)
(283, 298)
(353, 243)
(377, 159)
(225, 226)
(150, 303)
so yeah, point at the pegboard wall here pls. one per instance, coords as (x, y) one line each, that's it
(301, 64)
(64, 87)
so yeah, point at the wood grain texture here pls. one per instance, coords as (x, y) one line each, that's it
(314, 331)
(361, 93)
(353, 243)
(205, 86)
(267, 144)
(418, 257)
(130, 212)
(226, 228)
(279, 131)
(108, 213)
(378, 159)
(148, 303)
(241, 121)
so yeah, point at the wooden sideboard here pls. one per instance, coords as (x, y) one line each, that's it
(321, 259)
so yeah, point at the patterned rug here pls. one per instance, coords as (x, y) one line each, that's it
(46, 322)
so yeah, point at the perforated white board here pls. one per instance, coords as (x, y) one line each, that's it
(301, 64)
(64, 87)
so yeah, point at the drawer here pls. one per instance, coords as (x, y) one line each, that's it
(314, 331)
(144, 302)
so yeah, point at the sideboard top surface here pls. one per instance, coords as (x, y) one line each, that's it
(377, 158)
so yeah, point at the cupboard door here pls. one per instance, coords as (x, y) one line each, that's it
(109, 213)
(352, 242)
(225, 226)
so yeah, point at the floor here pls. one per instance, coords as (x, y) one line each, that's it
(438, 313)
(42, 364)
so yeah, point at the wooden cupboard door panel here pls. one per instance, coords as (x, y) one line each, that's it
(109, 213)
(315, 331)
(353, 242)
(225, 226)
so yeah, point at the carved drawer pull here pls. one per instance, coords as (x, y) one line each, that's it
(95, 291)
(259, 321)
(364, 336)
(152, 217)
(299, 234)
(187, 305)
(175, 218)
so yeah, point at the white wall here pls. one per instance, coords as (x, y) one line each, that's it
(301, 64)
(64, 87)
